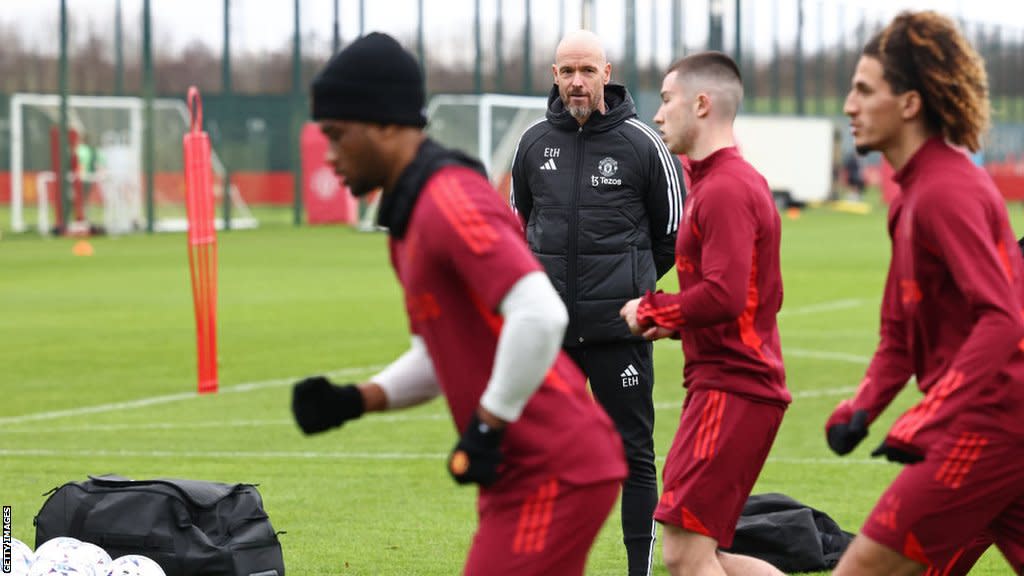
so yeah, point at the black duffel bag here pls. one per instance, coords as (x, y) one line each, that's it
(189, 527)
(788, 534)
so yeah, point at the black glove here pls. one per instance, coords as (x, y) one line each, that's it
(477, 454)
(319, 405)
(846, 428)
(897, 451)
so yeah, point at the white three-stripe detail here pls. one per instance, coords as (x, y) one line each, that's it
(675, 197)
(512, 172)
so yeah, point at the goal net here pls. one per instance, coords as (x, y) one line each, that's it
(485, 126)
(105, 177)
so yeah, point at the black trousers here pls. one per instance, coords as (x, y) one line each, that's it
(621, 376)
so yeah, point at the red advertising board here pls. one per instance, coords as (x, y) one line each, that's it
(326, 198)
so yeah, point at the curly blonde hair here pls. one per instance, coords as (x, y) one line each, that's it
(924, 51)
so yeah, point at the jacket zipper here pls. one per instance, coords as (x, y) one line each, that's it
(573, 233)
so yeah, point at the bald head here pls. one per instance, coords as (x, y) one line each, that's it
(581, 70)
(581, 42)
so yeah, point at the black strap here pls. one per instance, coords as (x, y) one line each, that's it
(77, 525)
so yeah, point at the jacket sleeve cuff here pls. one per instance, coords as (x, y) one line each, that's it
(659, 309)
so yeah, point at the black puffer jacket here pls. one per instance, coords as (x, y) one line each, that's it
(601, 204)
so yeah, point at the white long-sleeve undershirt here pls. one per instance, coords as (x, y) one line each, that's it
(410, 379)
(535, 320)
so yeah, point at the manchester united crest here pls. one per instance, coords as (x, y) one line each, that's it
(608, 167)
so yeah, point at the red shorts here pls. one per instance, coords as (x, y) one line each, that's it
(720, 447)
(972, 552)
(969, 488)
(547, 531)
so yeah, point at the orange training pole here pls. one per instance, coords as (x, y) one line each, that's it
(202, 242)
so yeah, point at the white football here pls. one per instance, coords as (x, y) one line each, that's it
(60, 549)
(21, 557)
(51, 567)
(135, 565)
(91, 555)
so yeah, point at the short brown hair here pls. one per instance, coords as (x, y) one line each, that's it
(715, 64)
(925, 52)
(718, 68)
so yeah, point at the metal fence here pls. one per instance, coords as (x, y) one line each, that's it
(254, 59)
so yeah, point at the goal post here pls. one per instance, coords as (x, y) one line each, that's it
(485, 126)
(113, 127)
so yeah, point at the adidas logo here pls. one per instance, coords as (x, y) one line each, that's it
(630, 377)
(549, 165)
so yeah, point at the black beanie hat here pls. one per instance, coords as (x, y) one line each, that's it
(372, 80)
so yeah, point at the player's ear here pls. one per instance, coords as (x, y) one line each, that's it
(607, 72)
(911, 104)
(702, 103)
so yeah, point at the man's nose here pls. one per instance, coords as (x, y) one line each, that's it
(849, 105)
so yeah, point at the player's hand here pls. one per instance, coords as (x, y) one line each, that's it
(628, 313)
(846, 428)
(319, 405)
(657, 333)
(477, 454)
(898, 451)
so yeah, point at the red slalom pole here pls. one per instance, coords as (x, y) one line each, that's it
(202, 242)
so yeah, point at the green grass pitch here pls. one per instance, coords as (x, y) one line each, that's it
(97, 374)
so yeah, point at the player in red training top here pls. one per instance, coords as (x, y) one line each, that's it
(727, 258)
(951, 314)
(487, 327)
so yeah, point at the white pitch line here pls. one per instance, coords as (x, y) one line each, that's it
(223, 454)
(149, 426)
(250, 386)
(166, 399)
(375, 418)
(833, 461)
(825, 355)
(824, 393)
(220, 424)
(822, 307)
(313, 455)
(345, 372)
